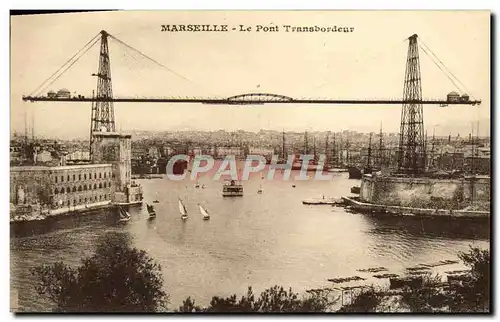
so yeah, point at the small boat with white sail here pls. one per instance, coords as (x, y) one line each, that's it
(151, 211)
(204, 212)
(183, 210)
(124, 215)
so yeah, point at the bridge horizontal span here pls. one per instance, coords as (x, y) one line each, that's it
(260, 101)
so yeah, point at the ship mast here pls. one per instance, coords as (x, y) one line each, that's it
(347, 156)
(472, 163)
(432, 149)
(314, 147)
(425, 150)
(283, 146)
(306, 151)
(335, 153)
(380, 152)
(328, 159)
(369, 151)
(454, 155)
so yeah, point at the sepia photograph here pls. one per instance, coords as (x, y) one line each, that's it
(250, 162)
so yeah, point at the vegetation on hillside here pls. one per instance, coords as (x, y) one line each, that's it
(120, 278)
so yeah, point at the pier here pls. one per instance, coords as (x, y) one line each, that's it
(412, 211)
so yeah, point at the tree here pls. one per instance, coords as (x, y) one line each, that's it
(272, 300)
(365, 301)
(117, 278)
(427, 297)
(473, 293)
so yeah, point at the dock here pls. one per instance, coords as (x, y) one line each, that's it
(323, 201)
(410, 211)
(40, 215)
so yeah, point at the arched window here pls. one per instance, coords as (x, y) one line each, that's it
(74, 189)
(68, 177)
(84, 176)
(104, 185)
(84, 187)
(99, 175)
(62, 178)
(79, 188)
(56, 191)
(56, 179)
(68, 190)
(95, 186)
(104, 175)
(80, 176)
(95, 175)
(100, 185)
(74, 177)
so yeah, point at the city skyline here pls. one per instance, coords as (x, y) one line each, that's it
(296, 65)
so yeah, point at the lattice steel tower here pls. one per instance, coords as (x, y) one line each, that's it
(103, 116)
(411, 140)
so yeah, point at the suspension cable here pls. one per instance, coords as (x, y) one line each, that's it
(149, 58)
(39, 88)
(449, 71)
(67, 68)
(444, 72)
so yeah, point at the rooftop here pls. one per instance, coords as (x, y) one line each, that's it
(58, 168)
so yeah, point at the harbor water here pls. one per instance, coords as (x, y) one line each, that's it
(257, 240)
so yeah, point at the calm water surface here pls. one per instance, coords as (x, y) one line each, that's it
(258, 240)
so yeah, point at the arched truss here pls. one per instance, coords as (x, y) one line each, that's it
(256, 98)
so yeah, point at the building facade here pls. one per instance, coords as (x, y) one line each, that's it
(61, 188)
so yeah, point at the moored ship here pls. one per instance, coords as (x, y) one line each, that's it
(232, 189)
(355, 172)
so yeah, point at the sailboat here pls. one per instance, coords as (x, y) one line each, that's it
(124, 215)
(204, 212)
(151, 211)
(183, 210)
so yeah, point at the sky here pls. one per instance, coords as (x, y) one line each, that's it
(366, 63)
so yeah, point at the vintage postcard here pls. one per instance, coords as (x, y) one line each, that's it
(250, 161)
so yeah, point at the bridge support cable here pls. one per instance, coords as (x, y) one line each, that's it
(439, 63)
(137, 55)
(104, 94)
(66, 66)
(148, 58)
